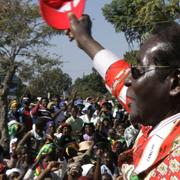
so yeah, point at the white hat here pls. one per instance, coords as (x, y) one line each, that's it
(86, 168)
(10, 171)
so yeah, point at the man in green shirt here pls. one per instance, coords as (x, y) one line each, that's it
(75, 122)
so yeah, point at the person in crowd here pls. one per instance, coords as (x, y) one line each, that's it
(3, 163)
(13, 111)
(50, 129)
(75, 122)
(106, 125)
(112, 136)
(80, 108)
(119, 144)
(45, 155)
(41, 110)
(119, 113)
(152, 94)
(24, 114)
(64, 135)
(88, 115)
(106, 110)
(108, 164)
(100, 135)
(34, 138)
(97, 113)
(130, 135)
(16, 132)
(21, 159)
(88, 132)
(58, 111)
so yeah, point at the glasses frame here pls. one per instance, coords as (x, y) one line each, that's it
(137, 73)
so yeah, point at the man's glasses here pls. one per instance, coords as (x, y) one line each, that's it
(138, 71)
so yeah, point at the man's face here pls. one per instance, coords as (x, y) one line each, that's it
(56, 101)
(51, 129)
(148, 94)
(66, 131)
(88, 129)
(74, 112)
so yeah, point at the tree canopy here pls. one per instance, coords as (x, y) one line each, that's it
(22, 33)
(89, 85)
(47, 77)
(137, 18)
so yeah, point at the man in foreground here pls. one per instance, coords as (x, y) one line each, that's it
(150, 92)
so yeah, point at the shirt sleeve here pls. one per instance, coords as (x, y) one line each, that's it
(103, 60)
(114, 71)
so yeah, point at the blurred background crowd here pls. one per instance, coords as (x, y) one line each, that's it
(66, 138)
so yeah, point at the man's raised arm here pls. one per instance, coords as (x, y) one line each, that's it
(112, 69)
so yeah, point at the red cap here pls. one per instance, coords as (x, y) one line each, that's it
(55, 12)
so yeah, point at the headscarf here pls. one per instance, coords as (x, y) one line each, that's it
(45, 150)
(13, 104)
(13, 128)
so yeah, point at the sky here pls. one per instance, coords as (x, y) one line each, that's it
(75, 62)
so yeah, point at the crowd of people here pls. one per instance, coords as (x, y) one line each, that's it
(60, 138)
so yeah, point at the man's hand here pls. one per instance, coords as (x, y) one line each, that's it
(75, 170)
(53, 165)
(80, 30)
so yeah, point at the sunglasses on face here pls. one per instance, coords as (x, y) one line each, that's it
(138, 71)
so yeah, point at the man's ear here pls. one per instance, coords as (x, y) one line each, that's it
(175, 84)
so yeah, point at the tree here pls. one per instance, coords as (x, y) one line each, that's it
(137, 18)
(47, 77)
(131, 57)
(22, 35)
(89, 85)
